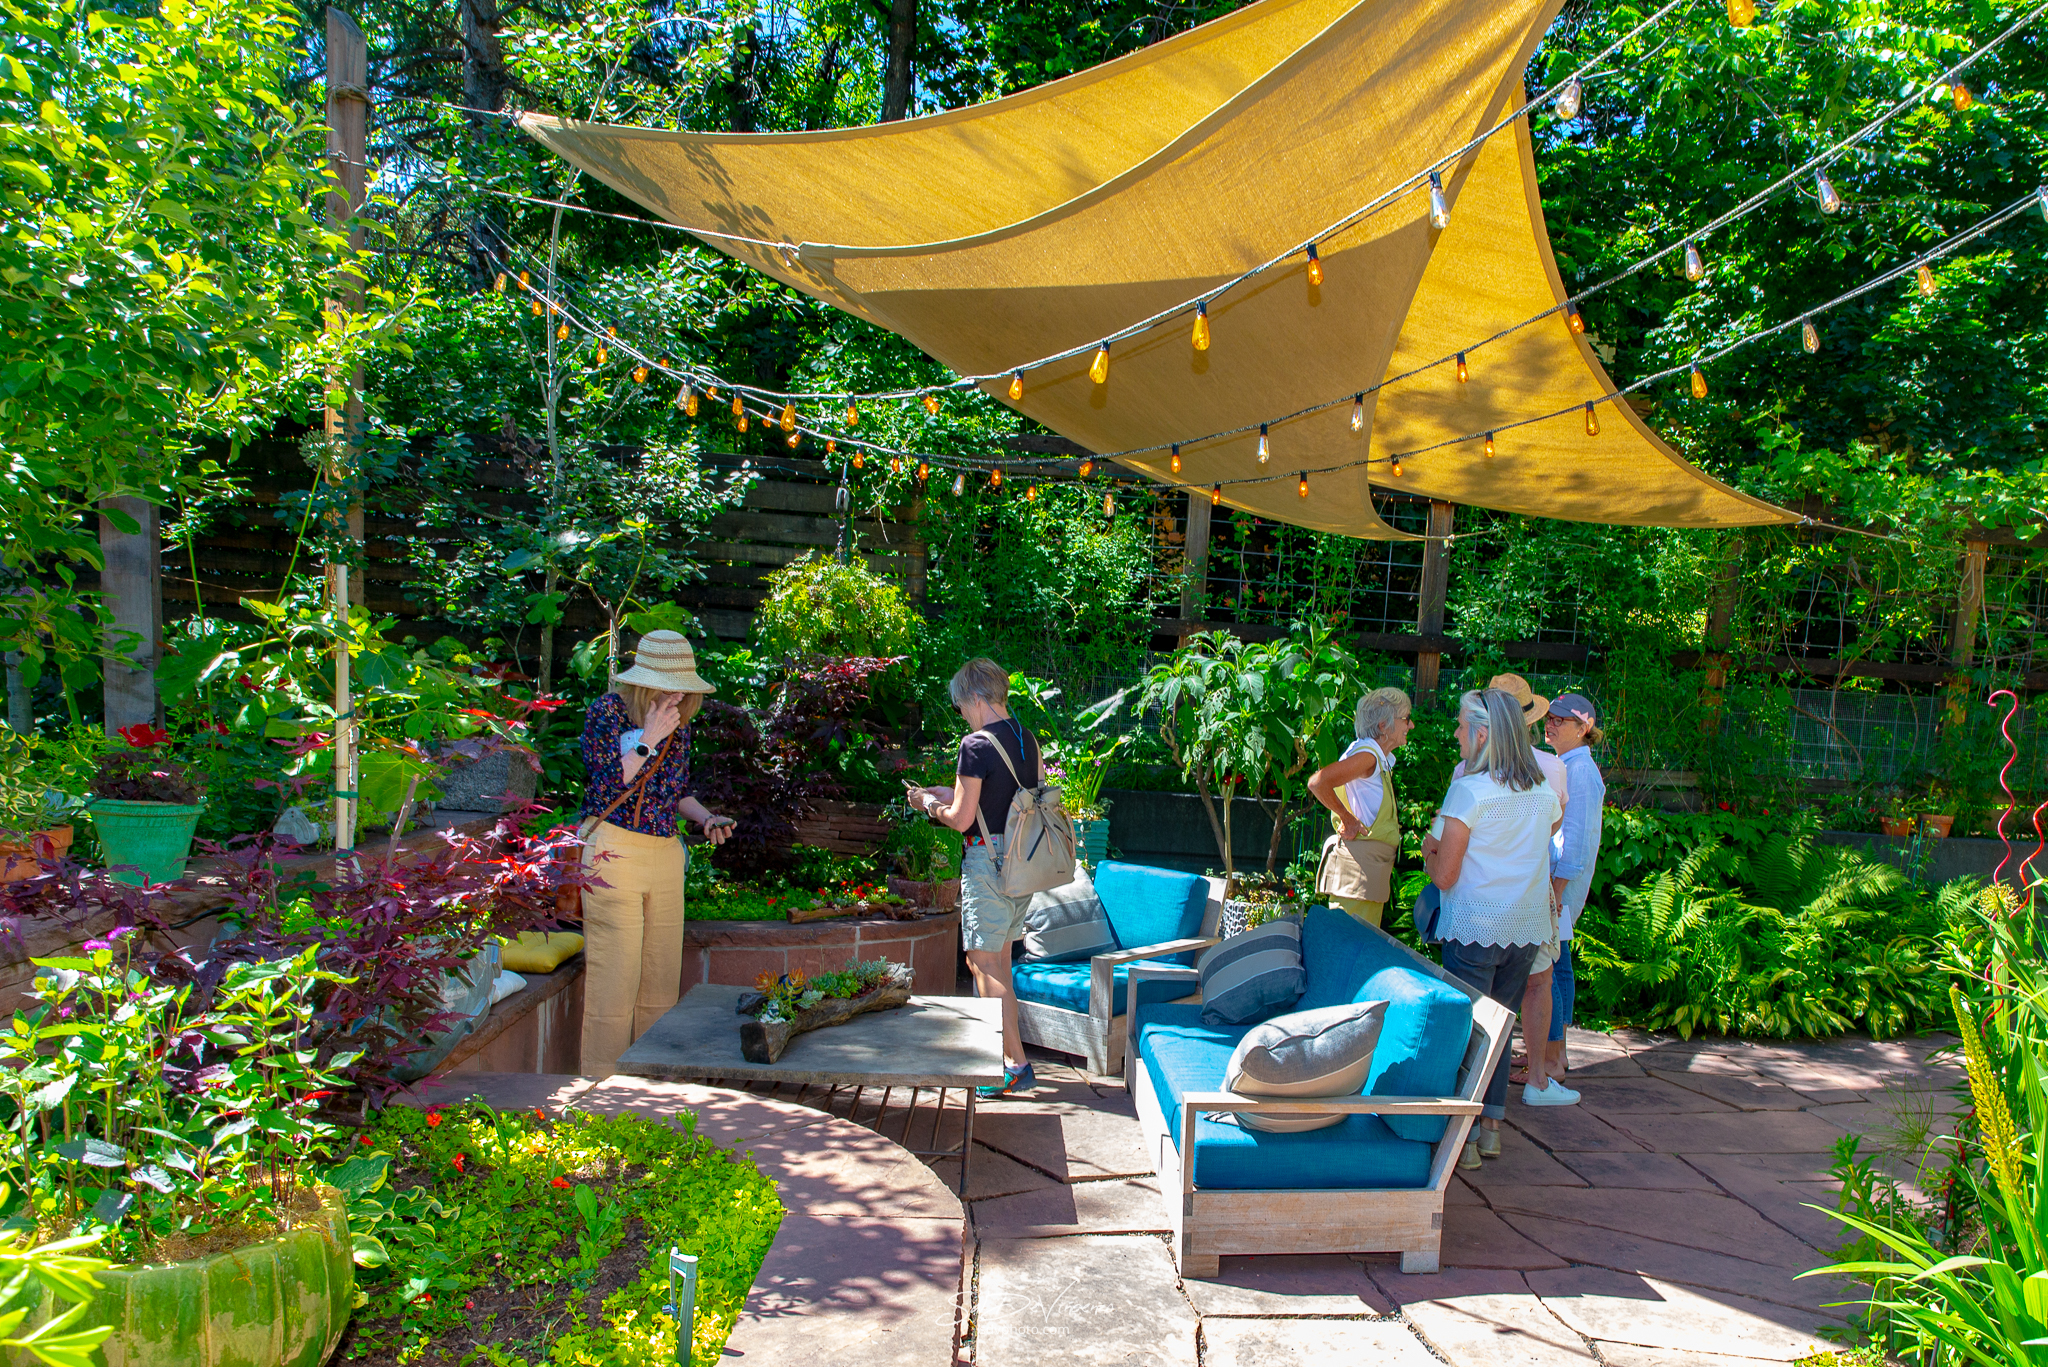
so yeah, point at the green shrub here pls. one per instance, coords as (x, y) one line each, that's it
(820, 606)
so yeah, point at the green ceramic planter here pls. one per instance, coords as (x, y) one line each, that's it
(154, 835)
(1091, 839)
(279, 1303)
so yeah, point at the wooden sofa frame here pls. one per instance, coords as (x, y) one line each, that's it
(1097, 1035)
(1207, 1225)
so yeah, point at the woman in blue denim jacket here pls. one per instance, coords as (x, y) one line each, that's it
(1572, 731)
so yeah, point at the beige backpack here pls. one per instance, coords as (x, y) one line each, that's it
(1038, 836)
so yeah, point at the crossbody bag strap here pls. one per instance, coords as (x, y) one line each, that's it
(638, 785)
(1003, 755)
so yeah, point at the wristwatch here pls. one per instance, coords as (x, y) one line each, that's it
(642, 750)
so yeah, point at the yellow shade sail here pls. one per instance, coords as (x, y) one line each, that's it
(1047, 221)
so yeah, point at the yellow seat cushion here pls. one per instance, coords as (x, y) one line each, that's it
(541, 952)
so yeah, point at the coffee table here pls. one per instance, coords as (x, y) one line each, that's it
(941, 1044)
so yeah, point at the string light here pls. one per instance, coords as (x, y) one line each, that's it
(1925, 279)
(1592, 421)
(743, 422)
(1216, 496)
(689, 400)
(1016, 385)
(603, 355)
(498, 285)
(1694, 266)
(1265, 445)
(924, 472)
(1031, 494)
(2043, 193)
(1109, 505)
(1489, 446)
(1962, 96)
(739, 407)
(1315, 266)
(1830, 202)
(1358, 413)
(959, 485)
(1439, 210)
(1394, 466)
(683, 397)
(640, 373)
(1301, 484)
(1809, 336)
(1201, 330)
(895, 465)
(789, 417)
(852, 413)
(1699, 384)
(1176, 458)
(1567, 103)
(1576, 319)
(1464, 374)
(536, 307)
(1742, 13)
(1098, 369)
(710, 391)
(931, 404)
(1087, 468)
(793, 438)
(561, 332)
(526, 280)
(995, 478)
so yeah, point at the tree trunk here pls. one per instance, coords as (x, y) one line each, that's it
(826, 88)
(896, 80)
(1217, 827)
(546, 672)
(745, 57)
(1279, 829)
(484, 78)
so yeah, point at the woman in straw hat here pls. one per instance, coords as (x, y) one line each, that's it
(636, 749)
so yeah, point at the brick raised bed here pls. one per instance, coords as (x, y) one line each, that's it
(738, 952)
(845, 828)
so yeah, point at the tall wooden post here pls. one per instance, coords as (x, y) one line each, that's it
(348, 117)
(1721, 635)
(1436, 587)
(1962, 632)
(131, 587)
(1194, 588)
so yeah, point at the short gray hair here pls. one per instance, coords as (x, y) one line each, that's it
(1506, 756)
(980, 678)
(1376, 709)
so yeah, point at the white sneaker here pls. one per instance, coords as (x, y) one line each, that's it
(1554, 1093)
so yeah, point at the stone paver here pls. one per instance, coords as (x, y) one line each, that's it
(501, 1091)
(1635, 1355)
(1729, 1132)
(1567, 1129)
(1111, 1206)
(1477, 1237)
(853, 1172)
(1744, 1091)
(1653, 1314)
(1701, 1220)
(1595, 1247)
(1090, 1301)
(1638, 1171)
(1292, 1343)
(1068, 1140)
(854, 1290)
(1327, 1284)
(1624, 1096)
(1522, 1164)
(1484, 1319)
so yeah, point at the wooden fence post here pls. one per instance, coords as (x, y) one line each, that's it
(1720, 634)
(131, 588)
(1194, 586)
(1429, 612)
(1962, 631)
(348, 117)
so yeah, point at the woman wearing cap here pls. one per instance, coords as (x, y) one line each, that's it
(1358, 861)
(1490, 855)
(636, 749)
(1572, 730)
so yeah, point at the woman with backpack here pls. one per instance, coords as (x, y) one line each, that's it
(995, 755)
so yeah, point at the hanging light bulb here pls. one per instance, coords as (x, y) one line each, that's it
(924, 472)
(1962, 96)
(1098, 369)
(1216, 496)
(852, 413)
(1109, 505)
(1394, 466)
(1301, 484)
(1031, 494)
(1925, 279)
(1315, 266)
(793, 438)
(1742, 13)
(959, 485)
(526, 280)
(995, 479)
(640, 373)
(1464, 374)
(1439, 210)
(789, 417)
(895, 465)
(1016, 385)
(743, 422)
(1358, 413)
(1489, 446)
(602, 354)
(1567, 103)
(1694, 266)
(1592, 422)
(561, 332)
(536, 307)
(1201, 329)
(2043, 193)
(1699, 384)
(1087, 468)
(1265, 445)
(1576, 319)
(1176, 458)
(1830, 202)
(739, 407)
(683, 396)
(931, 403)
(498, 285)
(710, 391)
(689, 403)
(1809, 336)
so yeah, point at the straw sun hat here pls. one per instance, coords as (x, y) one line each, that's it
(1535, 707)
(665, 661)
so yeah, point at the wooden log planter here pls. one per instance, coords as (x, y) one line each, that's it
(763, 1041)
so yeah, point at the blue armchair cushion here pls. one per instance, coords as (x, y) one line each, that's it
(1067, 923)
(1066, 985)
(1149, 906)
(1251, 975)
(1182, 1055)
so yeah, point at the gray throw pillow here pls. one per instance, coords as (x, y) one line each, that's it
(1067, 923)
(1252, 974)
(1325, 1052)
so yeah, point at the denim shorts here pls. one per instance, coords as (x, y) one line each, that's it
(990, 919)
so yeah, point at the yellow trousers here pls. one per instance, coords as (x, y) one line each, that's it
(632, 940)
(1362, 910)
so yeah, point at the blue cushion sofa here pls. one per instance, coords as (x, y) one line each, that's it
(1160, 918)
(1372, 1184)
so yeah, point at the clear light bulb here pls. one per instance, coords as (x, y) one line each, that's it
(1695, 267)
(1098, 369)
(1315, 266)
(995, 479)
(561, 332)
(1216, 496)
(931, 403)
(1109, 505)
(1924, 278)
(1031, 494)
(924, 471)
(1301, 484)
(1201, 329)
(602, 354)
(683, 396)
(1087, 468)
(1439, 208)
(1809, 336)
(1176, 458)
(793, 438)
(959, 485)
(1265, 445)
(1960, 93)
(739, 407)
(1568, 99)
(1575, 318)
(1464, 373)
(1592, 421)
(498, 285)
(1699, 384)
(743, 422)
(1830, 202)
(2043, 193)
(1016, 385)
(1742, 13)
(1489, 446)
(789, 417)
(852, 413)
(1358, 413)
(640, 374)
(1394, 466)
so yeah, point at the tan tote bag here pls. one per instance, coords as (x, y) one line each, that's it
(1038, 837)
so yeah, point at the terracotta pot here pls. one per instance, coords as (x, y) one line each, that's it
(943, 895)
(1936, 825)
(25, 860)
(1896, 825)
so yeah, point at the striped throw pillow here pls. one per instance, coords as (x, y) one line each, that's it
(1067, 923)
(1251, 975)
(1324, 1052)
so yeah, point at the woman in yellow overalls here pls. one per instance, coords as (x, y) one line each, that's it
(1358, 861)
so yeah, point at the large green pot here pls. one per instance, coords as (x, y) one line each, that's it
(1091, 839)
(155, 835)
(279, 1303)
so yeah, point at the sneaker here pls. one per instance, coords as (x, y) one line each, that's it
(1020, 1079)
(1470, 1158)
(1553, 1093)
(1489, 1143)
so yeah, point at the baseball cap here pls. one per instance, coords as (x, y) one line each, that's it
(1577, 706)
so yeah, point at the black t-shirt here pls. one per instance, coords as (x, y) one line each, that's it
(978, 759)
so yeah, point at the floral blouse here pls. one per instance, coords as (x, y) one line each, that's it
(657, 799)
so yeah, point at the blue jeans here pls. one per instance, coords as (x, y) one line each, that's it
(1500, 972)
(1562, 991)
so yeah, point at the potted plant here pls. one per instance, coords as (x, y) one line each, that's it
(925, 857)
(1938, 811)
(1895, 813)
(786, 1007)
(185, 1135)
(145, 807)
(1079, 771)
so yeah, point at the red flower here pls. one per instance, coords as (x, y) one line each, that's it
(561, 1182)
(469, 1305)
(1725, 807)
(142, 735)
(433, 1119)
(221, 727)
(458, 1161)
(539, 1113)
(316, 1096)
(364, 1140)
